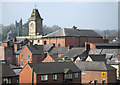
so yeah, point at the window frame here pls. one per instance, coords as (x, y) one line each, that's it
(76, 75)
(44, 77)
(29, 56)
(68, 76)
(55, 77)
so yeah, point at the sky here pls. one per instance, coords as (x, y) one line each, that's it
(92, 15)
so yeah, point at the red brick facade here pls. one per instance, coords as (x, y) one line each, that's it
(97, 75)
(26, 56)
(73, 41)
(25, 76)
(48, 59)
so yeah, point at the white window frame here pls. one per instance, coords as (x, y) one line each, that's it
(54, 76)
(44, 77)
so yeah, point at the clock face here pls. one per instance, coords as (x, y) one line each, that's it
(32, 25)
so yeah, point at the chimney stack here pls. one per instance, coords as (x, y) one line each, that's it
(74, 27)
(69, 47)
(87, 46)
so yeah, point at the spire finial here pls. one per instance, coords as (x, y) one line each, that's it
(35, 6)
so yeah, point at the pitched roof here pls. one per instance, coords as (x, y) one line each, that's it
(19, 40)
(110, 51)
(95, 51)
(35, 15)
(35, 49)
(107, 45)
(73, 52)
(99, 57)
(54, 57)
(47, 47)
(53, 67)
(20, 50)
(72, 32)
(59, 50)
(7, 70)
(99, 66)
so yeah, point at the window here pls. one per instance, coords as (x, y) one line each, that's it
(76, 75)
(103, 82)
(54, 76)
(59, 44)
(44, 77)
(28, 56)
(44, 42)
(7, 80)
(68, 76)
(22, 56)
(83, 71)
(22, 63)
(95, 82)
(38, 41)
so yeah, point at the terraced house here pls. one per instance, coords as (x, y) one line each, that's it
(44, 73)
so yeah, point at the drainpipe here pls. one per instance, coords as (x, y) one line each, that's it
(32, 76)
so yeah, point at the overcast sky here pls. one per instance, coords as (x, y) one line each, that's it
(96, 15)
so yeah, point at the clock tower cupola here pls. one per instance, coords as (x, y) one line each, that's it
(35, 23)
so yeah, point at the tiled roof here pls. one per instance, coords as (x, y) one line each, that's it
(7, 71)
(53, 67)
(99, 66)
(73, 32)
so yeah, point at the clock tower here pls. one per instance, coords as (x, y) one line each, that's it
(35, 23)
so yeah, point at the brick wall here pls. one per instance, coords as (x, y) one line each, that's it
(48, 59)
(33, 58)
(37, 58)
(73, 41)
(9, 57)
(2, 52)
(112, 77)
(25, 76)
(57, 41)
(97, 75)
(25, 52)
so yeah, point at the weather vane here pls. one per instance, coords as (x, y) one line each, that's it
(35, 6)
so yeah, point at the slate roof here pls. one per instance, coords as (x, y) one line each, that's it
(7, 71)
(35, 15)
(55, 57)
(94, 66)
(73, 52)
(59, 50)
(107, 44)
(19, 40)
(47, 47)
(95, 51)
(14, 66)
(99, 57)
(53, 67)
(19, 51)
(34, 49)
(73, 33)
(5, 41)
